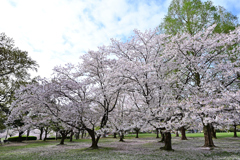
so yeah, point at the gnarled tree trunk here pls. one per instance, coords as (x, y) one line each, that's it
(168, 142)
(94, 140)
(64, 136)
(208, 136)
(162, 136)
(183, 132)
(213, 132)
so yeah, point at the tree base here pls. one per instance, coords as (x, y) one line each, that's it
(94, 147)
(166, 149)
(210, 146)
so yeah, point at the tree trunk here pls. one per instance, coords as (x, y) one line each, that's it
(213, 132)
(157, 133)
(56, 135)
(71, 136)
(235, 131)
(28, 132)
(64, 135)
(183, 132)
(77, 135)
(168, 142)
(41, 133)
(121, 136)
(94, 140)
(162, 136)
(46, 133)
(20, 136)
(82, 134)
(114, 135)
(137, 131)
(177, 135)
(208, 136)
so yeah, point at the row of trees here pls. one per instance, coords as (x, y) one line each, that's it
(186, 76)
(169, 82)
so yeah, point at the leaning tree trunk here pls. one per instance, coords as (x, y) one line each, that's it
(41, 133)
(208, 136)
(177, 135)
(235, 130)
(183, 132)
(213, 131)
(162, 136)
(157, 133)
(168, 142)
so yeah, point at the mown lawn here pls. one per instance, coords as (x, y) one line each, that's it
(145, 147)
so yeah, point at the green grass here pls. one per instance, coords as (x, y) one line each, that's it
(145, 147)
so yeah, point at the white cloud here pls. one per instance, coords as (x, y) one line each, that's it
(56, 32)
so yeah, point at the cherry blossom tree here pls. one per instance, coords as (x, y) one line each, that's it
(205, 59)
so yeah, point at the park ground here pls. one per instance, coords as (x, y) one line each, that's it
(145, 147)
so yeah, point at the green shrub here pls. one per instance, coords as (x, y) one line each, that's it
(15, 138)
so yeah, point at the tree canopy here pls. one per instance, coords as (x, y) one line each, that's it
(192, 16)
(14, 67)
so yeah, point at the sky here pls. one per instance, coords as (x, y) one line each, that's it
(56, 32)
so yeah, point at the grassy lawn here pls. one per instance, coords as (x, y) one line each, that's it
(145, 147)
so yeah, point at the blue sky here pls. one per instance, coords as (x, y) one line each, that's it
(56, 32)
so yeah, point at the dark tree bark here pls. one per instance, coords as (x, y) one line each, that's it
(177, 135)
(183, 132)
(121, 136)
(77, 135)
(94, 140)
(213, 132)
(168, 142)
(82, 133)
(114, 135)
(137, 131)
(235, 131)
(64, 134)
(208, 136)
(71, 136)
(157, 133)
(41, 133)
(20, 136)
(162, 136)
(46, 133)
